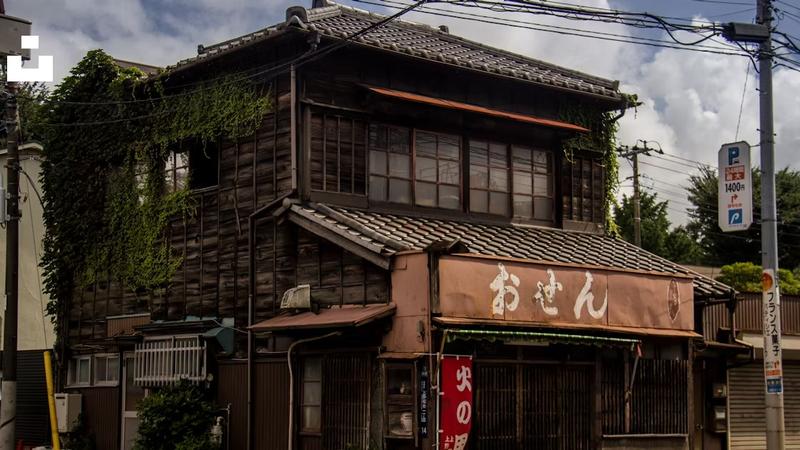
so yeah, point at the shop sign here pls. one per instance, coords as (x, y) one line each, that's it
(773, 373)
(455, 414)
(423, 402)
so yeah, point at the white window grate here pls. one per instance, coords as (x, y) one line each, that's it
(164, 361)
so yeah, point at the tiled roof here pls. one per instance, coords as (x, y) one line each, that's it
(422, 41)
(389, 233)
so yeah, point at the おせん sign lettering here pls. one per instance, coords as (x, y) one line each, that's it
(455, 413)
(472, 287)
(735, 199)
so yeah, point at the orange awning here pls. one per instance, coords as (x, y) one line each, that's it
(334, 317)
(408, 96)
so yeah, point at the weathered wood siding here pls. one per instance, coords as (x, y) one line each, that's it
(212, 281)
(101, 413)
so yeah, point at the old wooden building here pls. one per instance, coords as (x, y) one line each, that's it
(409, 202)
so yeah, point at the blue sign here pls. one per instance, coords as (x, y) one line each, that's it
(733, 155)
(735, 216)
(774, 385)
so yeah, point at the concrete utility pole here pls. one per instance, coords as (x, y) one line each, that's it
(633, 155)
(8, 402)
(769, 230)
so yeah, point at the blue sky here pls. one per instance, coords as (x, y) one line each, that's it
(691, 100)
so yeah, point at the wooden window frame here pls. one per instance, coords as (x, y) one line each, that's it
(302, 404)
(389, 403)
(489, 166)
(531, 174)
(572, 174)
(324, 142)
(172, 169)
(438, 158)
(387, 176)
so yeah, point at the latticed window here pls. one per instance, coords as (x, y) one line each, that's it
(437, 163)
(390, 164)
(338, 154)
(532, 183)
(583, 189)
(488, 178)
(176, 171)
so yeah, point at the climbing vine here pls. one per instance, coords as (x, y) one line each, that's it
(601, 139)
(108, 132)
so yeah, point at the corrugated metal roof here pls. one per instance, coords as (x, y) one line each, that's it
(425, 42)
(450, 104)
(334, 317)
(388, 233)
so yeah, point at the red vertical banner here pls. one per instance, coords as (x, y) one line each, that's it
(456, 406)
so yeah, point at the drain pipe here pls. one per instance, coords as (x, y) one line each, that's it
(291, 379)
(251, 287)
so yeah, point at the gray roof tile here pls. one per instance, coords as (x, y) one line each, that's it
(339, 22)
(525, 242)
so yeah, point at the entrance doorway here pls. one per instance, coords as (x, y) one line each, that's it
(131, 394)
(527, 405)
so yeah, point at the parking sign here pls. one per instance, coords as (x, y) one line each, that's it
(735, 199)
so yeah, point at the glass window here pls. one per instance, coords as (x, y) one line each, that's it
(176, 171)
(80, 371)
(488, 167)
(389, 164)
(532, 183)
(311, 400)
(106, 369)
(438, 170)
(400, 385)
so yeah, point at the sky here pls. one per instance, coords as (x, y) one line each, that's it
(691, 101)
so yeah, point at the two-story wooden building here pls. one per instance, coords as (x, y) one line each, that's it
(409, 199)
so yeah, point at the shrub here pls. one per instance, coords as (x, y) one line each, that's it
(175, 418)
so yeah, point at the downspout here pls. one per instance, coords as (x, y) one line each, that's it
(291, 379)
(293, 126)
(251, 289)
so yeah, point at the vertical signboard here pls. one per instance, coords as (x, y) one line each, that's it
(735, 198)
(423, 402)
(773, 372)
(455, 413)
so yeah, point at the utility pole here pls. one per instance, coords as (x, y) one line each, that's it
(769, 230)
(8, 402)
(632, 154)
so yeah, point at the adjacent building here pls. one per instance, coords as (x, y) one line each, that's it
(411, 242)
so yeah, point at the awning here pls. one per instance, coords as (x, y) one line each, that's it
(651, 332)
(335, 317)
(408, 96)
(529, 337)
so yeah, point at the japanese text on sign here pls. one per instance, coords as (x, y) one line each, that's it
(455, 415)
(735, 196)
(773, 372)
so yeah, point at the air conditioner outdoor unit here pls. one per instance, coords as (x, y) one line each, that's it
(297, 298)
(68, 408)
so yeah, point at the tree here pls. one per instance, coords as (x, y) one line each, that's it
(746, 277)
(678, 245)
(727, 248)
(655, 224)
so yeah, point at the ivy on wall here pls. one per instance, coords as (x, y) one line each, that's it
(107, 133)
(601, 139)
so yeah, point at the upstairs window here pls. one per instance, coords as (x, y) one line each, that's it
(176, 171)
(390, 164)
(532, 183)
(582, 184)
(488, 178)
(338, 154)
(437, 170)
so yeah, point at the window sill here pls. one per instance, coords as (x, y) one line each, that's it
(106, 384)
(645, 436)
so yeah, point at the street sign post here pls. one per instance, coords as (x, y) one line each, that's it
(735, 199)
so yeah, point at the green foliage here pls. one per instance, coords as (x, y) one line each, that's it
(79, 438)
(601, 139)
(677, 245)
(727, 248)
(746, 277)
(175, 418)
(108, 133)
